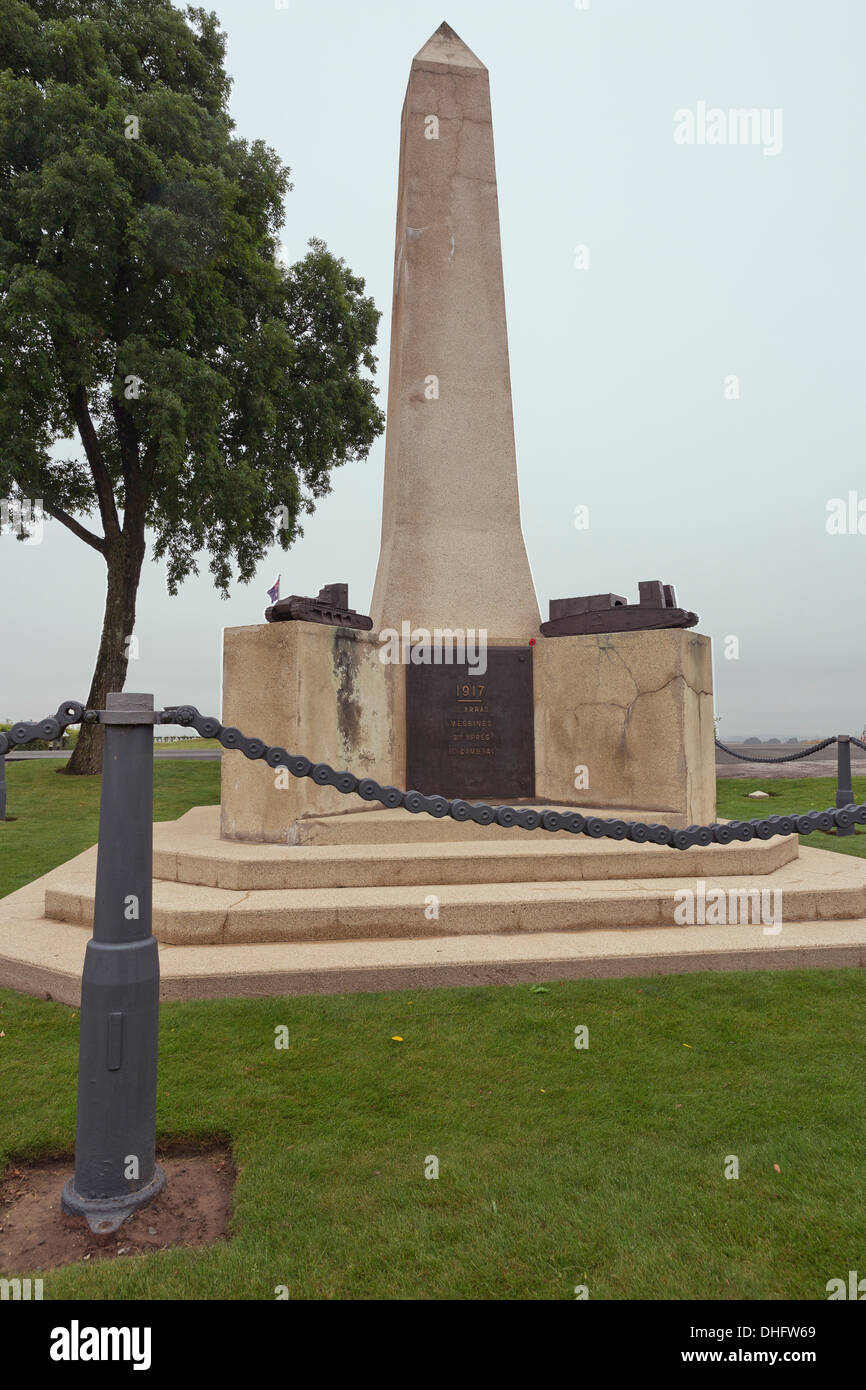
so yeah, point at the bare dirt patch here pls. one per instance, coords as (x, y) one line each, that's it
(192, 1209)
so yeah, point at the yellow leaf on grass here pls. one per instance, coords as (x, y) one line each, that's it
(396, 1038)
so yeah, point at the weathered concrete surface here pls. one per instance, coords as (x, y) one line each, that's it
(374, 826)
(452, 551)
(815, 885)
(635, 709)
(221, 941)
(215, 892)
(45, 958)
(315, 690)
(189, 850)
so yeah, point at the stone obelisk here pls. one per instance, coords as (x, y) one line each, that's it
(452, 552)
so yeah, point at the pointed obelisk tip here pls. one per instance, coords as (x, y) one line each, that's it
(446, 48)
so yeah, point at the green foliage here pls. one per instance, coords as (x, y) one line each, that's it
(142, 303)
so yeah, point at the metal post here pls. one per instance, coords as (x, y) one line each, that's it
(115, 1139)
(844, 789)
(2, 786)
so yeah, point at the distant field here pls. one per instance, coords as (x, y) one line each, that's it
(190, 744)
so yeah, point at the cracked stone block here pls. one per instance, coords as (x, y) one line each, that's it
(636, 710)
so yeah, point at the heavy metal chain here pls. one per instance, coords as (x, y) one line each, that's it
(787, 757)
(70, 712)
(524, 817)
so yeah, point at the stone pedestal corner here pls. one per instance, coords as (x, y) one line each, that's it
(314, 690)
(635, 709)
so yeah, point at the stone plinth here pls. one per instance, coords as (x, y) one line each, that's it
(315, 690)
(635, 709)
(258, 920)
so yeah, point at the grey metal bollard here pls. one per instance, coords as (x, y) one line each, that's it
(2, 786)
(115, 1138)
(844, 789)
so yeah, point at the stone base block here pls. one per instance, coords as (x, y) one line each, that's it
(635, 709)
(315, 690)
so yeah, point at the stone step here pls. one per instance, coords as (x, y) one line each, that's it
(817, 885)
(44, 958)
(369, 825)
(189, 851)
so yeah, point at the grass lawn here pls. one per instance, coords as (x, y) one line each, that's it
(796, 794)
(57, 817)
(557, 1166)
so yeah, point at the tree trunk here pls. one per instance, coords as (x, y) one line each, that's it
(124, 559)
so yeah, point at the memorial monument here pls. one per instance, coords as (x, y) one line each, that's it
(451, 684)
(623, 692)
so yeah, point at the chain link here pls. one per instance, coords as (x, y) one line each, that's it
(787, 757)
(525, 817)
(70, 712)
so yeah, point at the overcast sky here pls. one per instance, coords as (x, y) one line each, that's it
(706, 262)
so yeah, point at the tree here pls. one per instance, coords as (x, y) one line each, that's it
(143, 308)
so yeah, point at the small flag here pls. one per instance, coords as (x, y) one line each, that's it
(274, 593)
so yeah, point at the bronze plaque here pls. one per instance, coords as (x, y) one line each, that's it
(471, 735)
